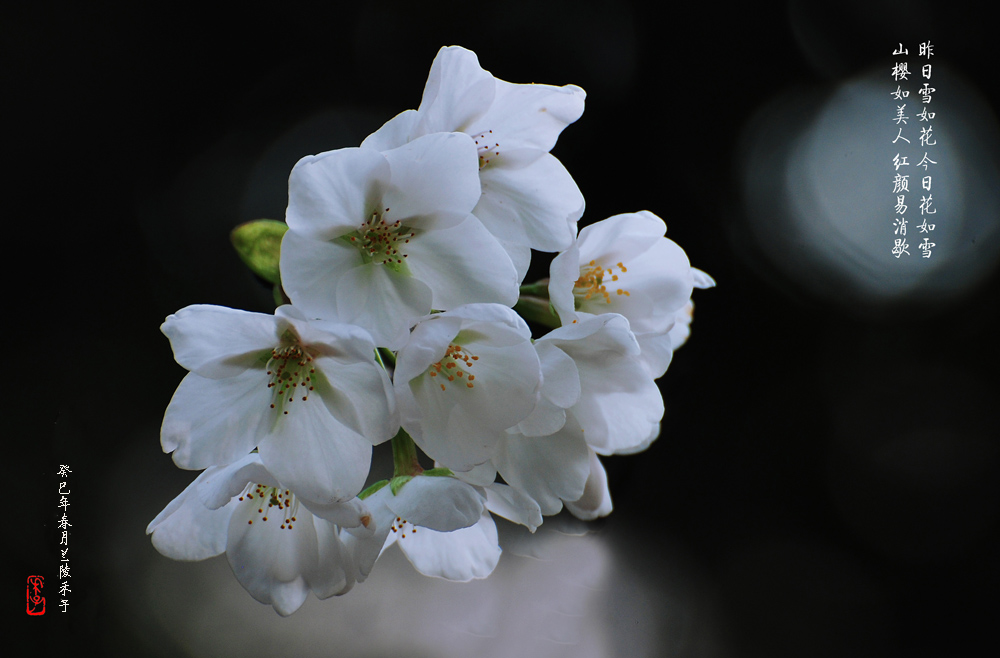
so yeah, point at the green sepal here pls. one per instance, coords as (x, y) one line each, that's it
(386, 356)
(372, 489)
(397, 483)
(439, 472)
(258, 244)
(538, 310)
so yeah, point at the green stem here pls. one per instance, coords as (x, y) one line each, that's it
(538, 310)
(536, 289)
(404, 455)
(278, 293)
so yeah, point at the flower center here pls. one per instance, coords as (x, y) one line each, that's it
(450, 367)
(266, 499)
(592, 282)
(488, 148)
(380, 241)
(402, 526)
(292, 375)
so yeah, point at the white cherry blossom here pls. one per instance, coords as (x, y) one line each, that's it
(309, 396)
(625, 265)
(595, 396)
(378, 239)
(279, 547)
(440, 523)
(463, 378)
(528, 197)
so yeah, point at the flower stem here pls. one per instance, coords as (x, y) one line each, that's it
(404, 455)
(538, 310)
(280, 298)
(536, 289)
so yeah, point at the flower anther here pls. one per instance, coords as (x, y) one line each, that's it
(400, 526)
(592, 282)
(448, 367)
(380, 241)
(488, 149)
(283, 499)
(291, 373)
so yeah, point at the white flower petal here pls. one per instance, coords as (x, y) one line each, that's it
(681, 330)
(532, 115)
(427, 344)
(222, 484)
(216, 421)
(561, 379)
(513, 505)
(644, 311)
(494, 313)
(215, 341)
(335, 192)
(559, 391)
(458, 91)
(520, 256)
(348, 343)
(654, 433)
(435, 181)
(594, 335)
(664, 274)
(596, 499)
(463, 264)
(439, 503)
(536, 205)
(620, 237)
(549, 469)
(187, 530)
(364, 545)
(383, 301)
(563, 273)
(452, 434)
(315, 455)
(701, 279)
(461, 555)
(481, 475)
(310, 270)
(271, 563)
(620, 405)
(658, 349)
(349, 514)
(334, 572)
(394, 133)
(358, 396)
(547, 418)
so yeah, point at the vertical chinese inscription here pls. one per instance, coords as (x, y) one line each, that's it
(922, 131)
(64, 525)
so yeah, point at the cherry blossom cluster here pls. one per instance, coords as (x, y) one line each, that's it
(401, 270)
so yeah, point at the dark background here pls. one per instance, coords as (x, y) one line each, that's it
(826, 483)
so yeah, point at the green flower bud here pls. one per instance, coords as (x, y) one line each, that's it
(258, 244)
